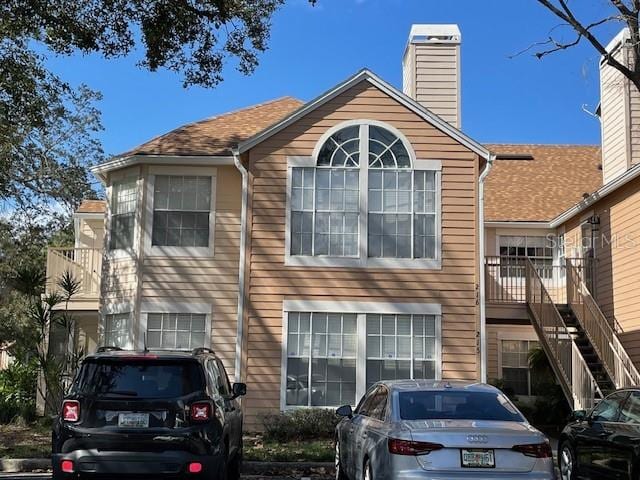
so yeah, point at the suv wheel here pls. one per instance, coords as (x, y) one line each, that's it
(235, 466)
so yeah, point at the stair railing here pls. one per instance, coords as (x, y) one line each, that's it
(576, 380)
(599, 331)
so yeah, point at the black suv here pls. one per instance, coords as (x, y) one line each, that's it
(153, 414)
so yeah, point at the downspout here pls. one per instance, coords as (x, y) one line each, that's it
(241, 265)
(483, 313)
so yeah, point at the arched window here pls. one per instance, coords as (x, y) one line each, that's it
(344, 207)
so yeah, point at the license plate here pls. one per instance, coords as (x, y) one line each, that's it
(475, 458)
(133, 420)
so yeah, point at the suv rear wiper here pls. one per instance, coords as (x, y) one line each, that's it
(125, 393)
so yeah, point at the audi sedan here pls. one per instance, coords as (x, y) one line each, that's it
(426, 430)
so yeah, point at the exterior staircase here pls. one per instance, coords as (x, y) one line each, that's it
(582, 347)
(605, 384)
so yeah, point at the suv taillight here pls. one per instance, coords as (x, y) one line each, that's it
(408, 447)
(200, 412)
(71, 410)
(536, 450)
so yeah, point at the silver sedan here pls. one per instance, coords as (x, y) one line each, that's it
(418, 429)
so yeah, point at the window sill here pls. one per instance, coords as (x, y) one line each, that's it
(121, 254)
(342, 262)
(157, 251)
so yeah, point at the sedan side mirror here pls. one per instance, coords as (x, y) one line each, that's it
(578, 415)
(345, 411)
(239, 390)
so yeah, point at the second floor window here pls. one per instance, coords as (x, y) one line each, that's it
(181, 209)
(123, 210)
(364, 198)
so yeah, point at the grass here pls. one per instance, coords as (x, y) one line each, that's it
(19, 441)
(259, 450)
(34, 441)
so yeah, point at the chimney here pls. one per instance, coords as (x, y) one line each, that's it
(619, 113)
(431, 69)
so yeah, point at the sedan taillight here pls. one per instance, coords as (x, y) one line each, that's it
(200, 412)
(71, 411)
(536, 450)
(408, 447)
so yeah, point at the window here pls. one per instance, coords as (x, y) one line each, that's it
(218, 378)
(181, 209)
(375, 404)
(630, 412)
(327, 362)
(516, 374)
(123, 208)
(117, 330)
(514, 250)
(342, 206)
(400, 346)
(607, 409)
(321, 359)
(176, 331)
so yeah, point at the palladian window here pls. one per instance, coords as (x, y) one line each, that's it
(386, 207)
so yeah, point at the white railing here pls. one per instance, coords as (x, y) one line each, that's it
(575, 378)
(599, 331)
(84, 265)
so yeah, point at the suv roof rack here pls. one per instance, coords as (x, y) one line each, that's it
(201, 350)
(108, 348)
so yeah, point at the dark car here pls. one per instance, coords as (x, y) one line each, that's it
(153, 414)
(605, 442)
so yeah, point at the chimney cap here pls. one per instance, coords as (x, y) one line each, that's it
(435, 33)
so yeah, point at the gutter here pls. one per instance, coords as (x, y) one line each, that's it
(483, 313)
(241, 265)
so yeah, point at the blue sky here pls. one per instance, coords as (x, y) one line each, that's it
(520, 100)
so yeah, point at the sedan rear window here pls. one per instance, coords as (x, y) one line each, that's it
(139, 379)
(456, 405)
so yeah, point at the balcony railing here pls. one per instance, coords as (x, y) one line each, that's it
(84, 264)
(506, 278)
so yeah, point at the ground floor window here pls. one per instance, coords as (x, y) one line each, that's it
(332, 358)
(516, 374)
(117, 330)
(176, 331)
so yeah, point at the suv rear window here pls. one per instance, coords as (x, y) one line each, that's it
(140, 378)
(452, 405)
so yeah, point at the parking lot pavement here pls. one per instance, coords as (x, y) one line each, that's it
(47, 476)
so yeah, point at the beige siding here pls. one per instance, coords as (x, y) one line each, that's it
(211, 280)
(618, 257)
(437, 79)
(521, 332)
(614, 93)
(270, 282)
(182, 279)
(91, 233)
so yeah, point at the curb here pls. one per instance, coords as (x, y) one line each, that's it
(19, 465)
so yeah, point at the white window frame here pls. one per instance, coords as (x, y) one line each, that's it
(361, 309)
(118, 177)
(174, 307)
(129, 329)
(362, 260)
(519, 337)
(174, 251)
(116, 308)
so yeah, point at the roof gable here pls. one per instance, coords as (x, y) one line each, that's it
(362, 76)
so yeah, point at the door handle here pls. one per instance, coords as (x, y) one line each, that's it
(604, 433)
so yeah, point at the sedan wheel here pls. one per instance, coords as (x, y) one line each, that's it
(567, 462)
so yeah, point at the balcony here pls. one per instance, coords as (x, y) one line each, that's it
(506, 278)
(85, 265)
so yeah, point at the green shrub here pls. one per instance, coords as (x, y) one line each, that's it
(303, 424)
(18, 392)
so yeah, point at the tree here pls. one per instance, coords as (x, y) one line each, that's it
(623, 12)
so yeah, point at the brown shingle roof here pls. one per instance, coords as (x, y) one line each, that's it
(217, 135)
(543, 187)
(92, 206)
